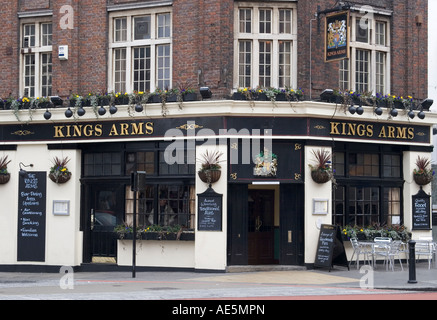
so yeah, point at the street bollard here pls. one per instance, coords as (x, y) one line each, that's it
(412, 269)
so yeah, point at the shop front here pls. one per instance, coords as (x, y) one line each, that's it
(265, 209)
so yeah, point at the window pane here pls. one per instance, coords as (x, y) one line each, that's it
(46, 34)
(380, 33)
(245, 61)
(362, 30)
(380, 72)
(265, 60)
(265, 21)
(46, 74)
(120, 29)
(164, 25)
(28, 35)
(284, 64)
(245, 20)
(29, 75)
(141, 69)
(120, 70)
(142, 28)
(163, 66)
(285, 21)
(362, 71)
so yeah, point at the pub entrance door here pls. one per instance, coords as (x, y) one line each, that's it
(103, 210)
(261, 227)
(265, 225)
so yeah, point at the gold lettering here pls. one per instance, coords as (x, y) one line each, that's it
(361, 130)
(58, 131)
(88, 130)
(410, 133)
(137, 128)
(113, 130)
(124, 129)
(391, 132)
(98, 130)
(149, 128)
(77, 130)
(382, 133)
(68, 131)
(402, 133)
(370, 130)
(334, 128)
(352, 127)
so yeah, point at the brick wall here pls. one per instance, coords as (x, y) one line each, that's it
(203, 45)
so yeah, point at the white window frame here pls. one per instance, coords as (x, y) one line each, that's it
(255, 37)
(38, 50)
(130, 44)
(373, 48)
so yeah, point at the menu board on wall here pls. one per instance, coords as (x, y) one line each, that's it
(31, 236)
(421, 211)
(209, 211)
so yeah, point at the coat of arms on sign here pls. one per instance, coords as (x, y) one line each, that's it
(266, 164)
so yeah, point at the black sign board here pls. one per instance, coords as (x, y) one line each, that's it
(31, 237)
(330, 248)
(209, 210)
(421, 211)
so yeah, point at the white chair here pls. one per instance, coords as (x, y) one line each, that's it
(390, 252)
(380, 247)
(425, 248)
(359, 250)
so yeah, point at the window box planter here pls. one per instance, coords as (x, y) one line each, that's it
(189, 96)
(158, 236)
(238, 96)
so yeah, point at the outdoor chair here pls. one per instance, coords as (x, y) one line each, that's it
(425, 248)
(390, 252)
(359, 250)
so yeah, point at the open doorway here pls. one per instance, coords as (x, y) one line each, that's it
(263, 232)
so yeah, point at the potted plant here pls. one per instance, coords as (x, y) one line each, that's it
(59, 172)
(210, 170)
(322, 171)
(4, 174)
(423, 174)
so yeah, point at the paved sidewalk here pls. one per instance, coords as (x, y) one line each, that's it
(192, 285)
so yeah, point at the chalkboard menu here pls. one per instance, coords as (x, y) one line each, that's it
(209, 211)
(32, 217)
(330, 248)
(421, 211)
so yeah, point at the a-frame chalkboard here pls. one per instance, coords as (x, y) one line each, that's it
(330, 248)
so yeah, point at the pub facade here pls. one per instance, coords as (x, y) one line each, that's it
(92, 169)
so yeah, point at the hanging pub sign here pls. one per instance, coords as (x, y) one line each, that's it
(337, 36)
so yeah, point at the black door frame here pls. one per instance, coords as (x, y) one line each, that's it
(291, 224)
(88, 188)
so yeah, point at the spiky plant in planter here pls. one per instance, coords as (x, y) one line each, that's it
(210, 170)
(59, 172)
(4, 174)
(321, 172)
(423, 174)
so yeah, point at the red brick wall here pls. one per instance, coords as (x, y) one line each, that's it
(203, 42)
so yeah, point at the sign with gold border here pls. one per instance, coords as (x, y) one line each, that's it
(337, 34)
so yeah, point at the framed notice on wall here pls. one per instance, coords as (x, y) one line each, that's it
(337, 36)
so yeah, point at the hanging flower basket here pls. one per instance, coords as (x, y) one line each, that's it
(210, 176)
(4, 178)
(59, 172)
(423, 174)
(60, 178)
(320, 176)
(422, 179)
